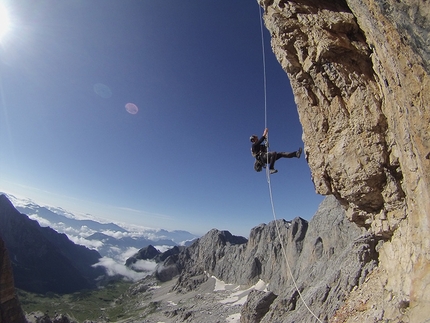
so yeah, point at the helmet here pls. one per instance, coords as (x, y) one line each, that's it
(252, 138)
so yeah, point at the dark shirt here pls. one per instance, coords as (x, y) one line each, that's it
(258, 147)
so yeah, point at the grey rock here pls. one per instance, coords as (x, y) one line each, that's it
(257, 306)
(327, 258)
(145, 253)
(10, 308)
(151, 253)
(168, 269)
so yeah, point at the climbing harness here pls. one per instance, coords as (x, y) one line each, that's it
(278, 231)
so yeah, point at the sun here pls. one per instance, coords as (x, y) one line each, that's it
(4, 21)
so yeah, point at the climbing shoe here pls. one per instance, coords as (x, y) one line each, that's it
(273, 171)
(299, 152)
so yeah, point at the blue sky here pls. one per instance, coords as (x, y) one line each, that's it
(195, 72)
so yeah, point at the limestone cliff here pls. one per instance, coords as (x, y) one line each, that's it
(328, 257)
(10, 308)
(359, 70)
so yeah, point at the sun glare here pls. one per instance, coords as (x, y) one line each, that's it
(4, 21)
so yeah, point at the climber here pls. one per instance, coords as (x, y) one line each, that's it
(262, 156)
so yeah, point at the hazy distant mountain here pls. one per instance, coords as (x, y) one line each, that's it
(111, 245)
(42, 259)
(114, 242)
(109, 239)
(53, 217)
(58, 215)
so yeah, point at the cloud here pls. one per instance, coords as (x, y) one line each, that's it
(129, 252)
(113, 268)
(82, 231)
(42, 222)
(143, 232)
(91, 244)
(85, 231)
(154, 236)
(144, 266)
(117, 234)
(163, 248)
(147, 233)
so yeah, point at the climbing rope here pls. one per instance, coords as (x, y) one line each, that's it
(278, 231)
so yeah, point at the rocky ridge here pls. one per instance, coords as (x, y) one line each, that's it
(328, 257)
(325, 259)
(360, 75)
(225, 278)
(10, 308)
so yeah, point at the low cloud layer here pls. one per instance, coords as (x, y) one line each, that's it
(144, 266)
(130, 238)
(114, 268)
(90, 244)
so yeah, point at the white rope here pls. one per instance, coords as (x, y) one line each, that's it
(278, 231)
(264, 67)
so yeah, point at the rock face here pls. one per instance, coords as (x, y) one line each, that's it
(167, 261)
(10, 308)
(359, 70)
(256, 306)
(327, 257)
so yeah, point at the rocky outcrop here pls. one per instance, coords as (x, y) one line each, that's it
(151, 253)
(39, 317)
(168, 269)
(167, 261)
(10, 308)
(145, 253)
(359, 70)
(325, 259)
(256, 306)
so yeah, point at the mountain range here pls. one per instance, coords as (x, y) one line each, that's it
(42, 259)
(116, 241)
(308, 268)
(295, 263)
(287, 271)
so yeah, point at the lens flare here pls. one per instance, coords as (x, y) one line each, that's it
(4, 21)
(102, 90)
(131, 108)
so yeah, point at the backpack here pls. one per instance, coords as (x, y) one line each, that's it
(258, 165)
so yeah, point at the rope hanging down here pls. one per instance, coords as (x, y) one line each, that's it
(278, 231)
